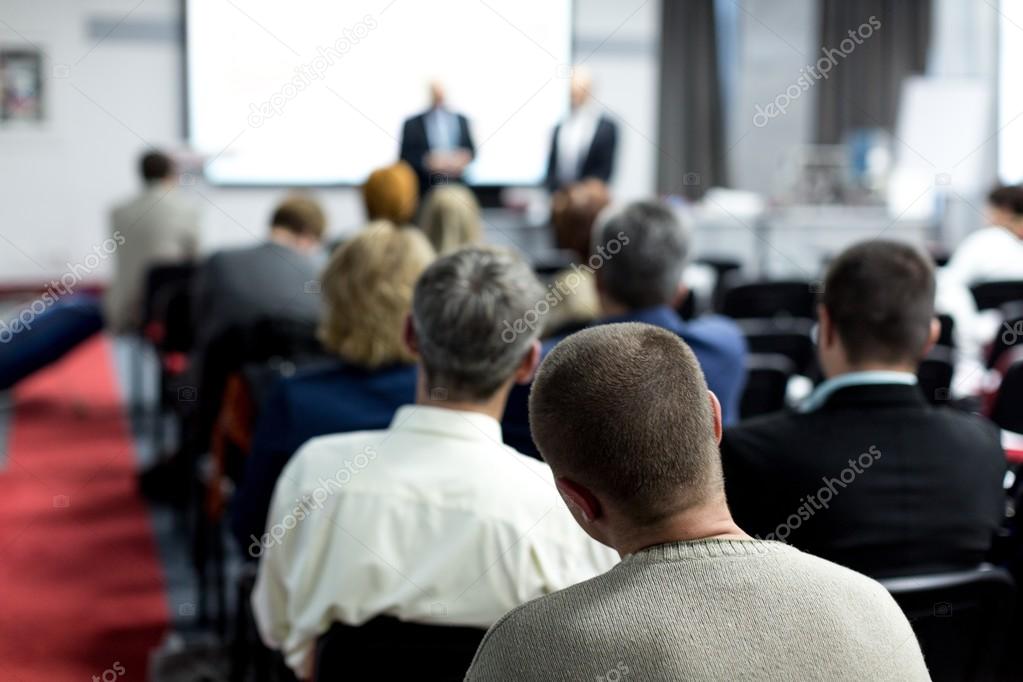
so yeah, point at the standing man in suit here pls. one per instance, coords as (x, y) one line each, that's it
(584, 143)
(437, 143)
(867, 473)
(157, 226)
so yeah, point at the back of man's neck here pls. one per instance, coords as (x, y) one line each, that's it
(712, 521)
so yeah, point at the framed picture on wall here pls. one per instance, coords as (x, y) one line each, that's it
(21, 85)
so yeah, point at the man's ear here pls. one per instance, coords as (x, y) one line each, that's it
(527, 368)
(715, 409)
(825, 329)
(581, 502)
(932, 337)
(680, 296)
(411, 342)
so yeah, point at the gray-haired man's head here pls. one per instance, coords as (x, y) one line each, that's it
(647, 272)
(462, 304)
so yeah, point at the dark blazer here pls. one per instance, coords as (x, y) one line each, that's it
(928, 496)
(240, 286)
(716, 341)
(415, 143)
(600, 159)
(331, 398)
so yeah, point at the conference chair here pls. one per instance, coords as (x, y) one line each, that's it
(767, 381)
(726, 272)
(783, 336)
(782, 298)
(989, 295)
(959, 618)
(947, 335)
(396, 650)
(1007, 406)
(934, 375)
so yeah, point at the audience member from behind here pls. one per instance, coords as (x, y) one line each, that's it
(451, 218)
(623, 416)
(367, 288)
(391, 193)
(275, 279)
(867, 473)
(434, 501)
(574, 211)
(643, 249)
(156, 227)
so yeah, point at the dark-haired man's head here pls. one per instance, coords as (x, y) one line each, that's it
(623, 416)
(877, 309)
(298, 222)
(642, 249)
(1005, 207)
(156, 167)
(474, 326)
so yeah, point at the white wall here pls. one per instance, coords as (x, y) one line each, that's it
(119, 94)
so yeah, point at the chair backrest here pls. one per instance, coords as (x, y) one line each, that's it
(947, 336)
(1009, 335)
(767, 380)
(771, 299)
(959, 619)
(1007, 407)
(783, 336)
(996, 294)
(394, 649)
(160, 278)
(935, 374)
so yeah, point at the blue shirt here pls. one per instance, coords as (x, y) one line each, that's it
(826, 389)
(335, 398)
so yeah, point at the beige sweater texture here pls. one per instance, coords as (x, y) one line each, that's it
(708, 610)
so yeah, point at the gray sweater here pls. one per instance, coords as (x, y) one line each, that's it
(707, 610)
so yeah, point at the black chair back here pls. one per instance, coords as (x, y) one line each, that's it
(163, 283)
(1007, 408)
(947, 336)
(959, 619)
(934, 375)
(990, 295)
(396, 650)
(767, 380)
(783, 336)
(784, 298)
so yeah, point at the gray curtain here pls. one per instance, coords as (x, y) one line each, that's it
(862, 89)
(691, 123)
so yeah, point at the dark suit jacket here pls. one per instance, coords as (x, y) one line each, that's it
(331, 398)
(929, 496)
(415, 143)
(240, 286)
(599, 160)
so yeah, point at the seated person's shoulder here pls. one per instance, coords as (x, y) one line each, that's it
(719, 330)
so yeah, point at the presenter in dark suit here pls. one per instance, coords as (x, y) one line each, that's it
(437, 143)
(866, 473)
(584, 144)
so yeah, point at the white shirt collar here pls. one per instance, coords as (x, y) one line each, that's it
(826, 389)
(447, 422)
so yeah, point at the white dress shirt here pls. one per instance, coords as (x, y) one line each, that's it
(433, 520)
(575, 138)
(442, 129)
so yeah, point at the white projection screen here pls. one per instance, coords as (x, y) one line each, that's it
(314, 92)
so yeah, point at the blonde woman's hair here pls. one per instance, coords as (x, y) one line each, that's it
(367, 288)
(451, 218)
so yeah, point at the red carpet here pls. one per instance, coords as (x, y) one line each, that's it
(81, 590)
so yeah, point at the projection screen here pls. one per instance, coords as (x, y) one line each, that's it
(314, 92)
